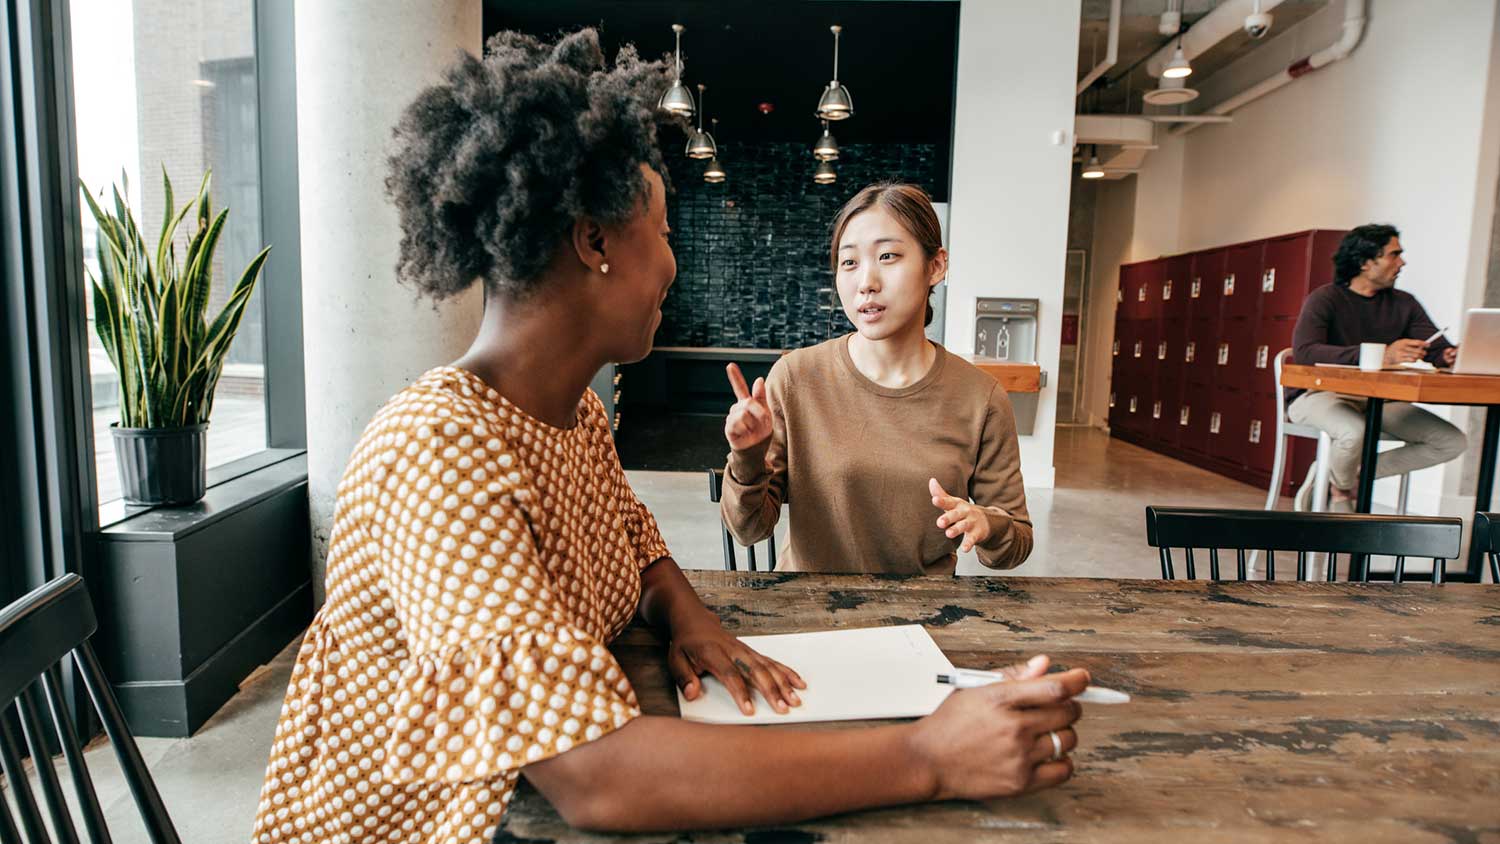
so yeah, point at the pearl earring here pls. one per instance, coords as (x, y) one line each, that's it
(604, 268)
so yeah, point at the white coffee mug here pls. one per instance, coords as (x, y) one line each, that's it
(1371, 355)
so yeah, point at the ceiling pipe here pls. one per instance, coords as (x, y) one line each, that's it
(1225, 20)
(1111, 54)
(1353, 30)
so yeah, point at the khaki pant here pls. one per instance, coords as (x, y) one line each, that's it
(1429, 439)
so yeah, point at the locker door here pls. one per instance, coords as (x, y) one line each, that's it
(1164, 410)
(1205, 276)
(1284, 275)
(1192, 418)
(1259, 431)
(1273, 336)
(1240, 285)
(1234, 354)
(1228, 426)
(1175, 285)
(1320, 270)
(1199, 353)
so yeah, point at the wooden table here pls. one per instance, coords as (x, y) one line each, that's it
(1412, 386)
(1263, 712)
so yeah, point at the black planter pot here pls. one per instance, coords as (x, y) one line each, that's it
(162, 465)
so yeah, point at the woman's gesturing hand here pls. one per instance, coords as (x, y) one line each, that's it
(960, 517)
(994, 741)
(705, 647)
(749, 420)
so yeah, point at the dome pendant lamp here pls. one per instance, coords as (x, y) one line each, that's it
(678, 99)
(701, 144)
(835, 103)
(827, 148)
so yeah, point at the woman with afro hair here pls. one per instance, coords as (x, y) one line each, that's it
(486, 546)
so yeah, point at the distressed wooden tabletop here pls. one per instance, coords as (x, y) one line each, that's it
(1262, 712)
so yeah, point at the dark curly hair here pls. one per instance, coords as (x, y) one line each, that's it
(492, 166)
(1361, 244)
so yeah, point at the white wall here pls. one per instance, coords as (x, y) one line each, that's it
(1405, 130)
(1017, 66)
(1114, 218)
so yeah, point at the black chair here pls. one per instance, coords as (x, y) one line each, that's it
(37, 633)
(1355, 534)
(1487, 538)
(715, 489)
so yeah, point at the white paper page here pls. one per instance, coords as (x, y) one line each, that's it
(852, 675)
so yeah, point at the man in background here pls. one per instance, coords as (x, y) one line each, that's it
(1364, 306)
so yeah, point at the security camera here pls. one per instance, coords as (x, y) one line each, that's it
(1257, 24)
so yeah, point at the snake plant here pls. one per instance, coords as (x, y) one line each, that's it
(150, 311)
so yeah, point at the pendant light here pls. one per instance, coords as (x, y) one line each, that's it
(825, 174)
(714, 172)
(835, 103)
(826, 148)
(1179, 66)
(701, 144)
(1094, 170)
(678, 99)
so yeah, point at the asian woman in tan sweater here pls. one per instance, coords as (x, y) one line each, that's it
(890, 452)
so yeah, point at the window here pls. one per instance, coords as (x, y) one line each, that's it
(172, 83)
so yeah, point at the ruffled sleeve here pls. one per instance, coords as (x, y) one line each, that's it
(498, 675)
(640, 526)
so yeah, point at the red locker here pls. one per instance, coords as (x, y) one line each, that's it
(1227, 426)
(1199, 353)
(1234, 354)
(1272, 335)
(1170, 345)
(1284, 276)
(1164, 409)
(1260, 432)
(1240, 286)
(1320, 268)
(1204, 285)
(1175, 286)
(1192, 418)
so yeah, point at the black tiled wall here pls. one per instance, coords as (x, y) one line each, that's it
(752, 252)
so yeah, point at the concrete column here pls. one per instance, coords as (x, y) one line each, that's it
(1012, 160)
(359, 62)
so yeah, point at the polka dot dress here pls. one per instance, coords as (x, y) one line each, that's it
(478, 563)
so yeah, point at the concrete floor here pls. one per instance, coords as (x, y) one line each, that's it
(1091, 525)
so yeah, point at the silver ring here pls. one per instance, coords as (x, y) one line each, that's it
(1057, 752)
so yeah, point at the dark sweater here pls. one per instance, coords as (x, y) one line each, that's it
(1335, 320)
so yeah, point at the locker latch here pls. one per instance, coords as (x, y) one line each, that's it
(1262, 356)
(1161, 350)
(1116, 351)
(1268, 281)
(1213, 422)
(1255, 430)
(1111, 400)
(1156, 410)
(1137, 348)
(1196, 289)
(1223, 354)
(1132, 404)
(1140, 295)
(1166, 290)
(1229, 285)
(1182, 415)
(1187, 353)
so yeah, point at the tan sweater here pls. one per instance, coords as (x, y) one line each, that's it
(851, 459)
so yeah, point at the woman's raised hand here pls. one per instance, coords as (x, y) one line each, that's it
(749, 421)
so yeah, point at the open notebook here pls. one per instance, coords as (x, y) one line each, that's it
(852, 675)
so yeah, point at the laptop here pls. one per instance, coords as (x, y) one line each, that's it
(1479, 353)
